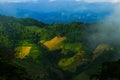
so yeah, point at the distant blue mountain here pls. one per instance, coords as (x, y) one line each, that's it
(59, 12)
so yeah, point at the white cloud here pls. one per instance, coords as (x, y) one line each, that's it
(77, 0)
(52, 0)
(16, 1)
(92, 1)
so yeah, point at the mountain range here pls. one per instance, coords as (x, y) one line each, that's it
(59, 40)
(59, 12)
(33, 50)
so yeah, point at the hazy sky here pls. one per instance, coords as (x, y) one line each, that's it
(19, 1)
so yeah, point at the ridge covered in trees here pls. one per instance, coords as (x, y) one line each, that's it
(33, 50)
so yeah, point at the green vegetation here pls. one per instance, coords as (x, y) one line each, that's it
(51, 51)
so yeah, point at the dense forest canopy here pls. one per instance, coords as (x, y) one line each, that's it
(34, 50)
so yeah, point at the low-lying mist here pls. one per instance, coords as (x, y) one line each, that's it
(108, 31)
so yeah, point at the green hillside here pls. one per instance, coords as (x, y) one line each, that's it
(37, 51)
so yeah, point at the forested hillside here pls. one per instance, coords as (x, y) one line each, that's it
(33, 50)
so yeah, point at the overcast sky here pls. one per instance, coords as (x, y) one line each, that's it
(19, 1)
